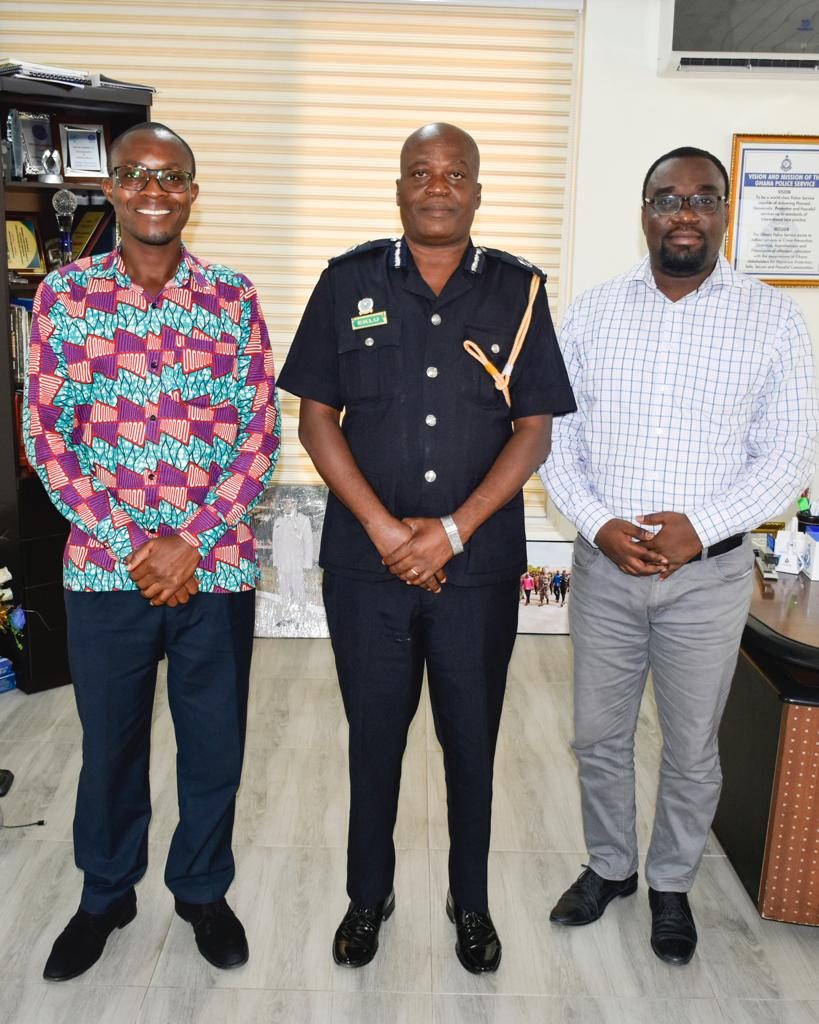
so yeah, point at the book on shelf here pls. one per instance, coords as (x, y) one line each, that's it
(19, 332)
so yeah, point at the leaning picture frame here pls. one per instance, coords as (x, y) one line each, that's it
(288, 522)
(545, 587)
(35, 141)
(84, 151)
(24, 246)
(773, 228)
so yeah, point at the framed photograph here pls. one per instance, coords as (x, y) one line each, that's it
(288, 523)
(545, 587)
(24, 248)
(773, 232)
(34, 141)
(84, 153)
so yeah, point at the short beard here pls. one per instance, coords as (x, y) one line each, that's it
(685, 262)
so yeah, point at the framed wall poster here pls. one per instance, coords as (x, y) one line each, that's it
(773, 230)
(288, 523)
(545, 587)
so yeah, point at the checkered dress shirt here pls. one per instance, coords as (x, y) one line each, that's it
(146, 416)
(705, 406)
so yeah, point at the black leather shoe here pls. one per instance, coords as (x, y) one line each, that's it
(356, 939)
(81, 944)
(673, 933)
(586, 899)
(220, 937)
(478, 946)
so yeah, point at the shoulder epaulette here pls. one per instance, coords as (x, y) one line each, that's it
(516, 261)
(357, 250)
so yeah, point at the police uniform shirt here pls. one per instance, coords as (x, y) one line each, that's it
(423, 419)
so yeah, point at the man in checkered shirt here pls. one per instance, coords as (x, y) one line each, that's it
(696, 422)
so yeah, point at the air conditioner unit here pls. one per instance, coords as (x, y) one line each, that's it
(760, 37)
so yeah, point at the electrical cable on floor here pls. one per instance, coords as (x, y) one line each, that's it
(28, 824)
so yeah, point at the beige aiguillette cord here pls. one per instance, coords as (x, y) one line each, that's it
(501, 378)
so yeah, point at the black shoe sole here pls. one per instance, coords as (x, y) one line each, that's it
(389, 907)
(126, 919)
(472, 968)
(630, 891)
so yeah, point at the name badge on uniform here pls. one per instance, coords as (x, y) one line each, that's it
(370, 320)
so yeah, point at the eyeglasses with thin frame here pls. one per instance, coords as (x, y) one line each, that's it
(668, 205)
(135, 177)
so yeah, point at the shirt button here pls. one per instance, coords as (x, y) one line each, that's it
(435, 319)
(432, 371)
(154, 364)
(151, 476)
(496, 349)
(369, 342)
(153, 417)
(431, 420)
(430, 476)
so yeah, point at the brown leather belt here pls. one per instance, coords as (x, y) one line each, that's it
(720, 548)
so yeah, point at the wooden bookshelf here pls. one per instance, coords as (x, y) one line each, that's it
(32, 532)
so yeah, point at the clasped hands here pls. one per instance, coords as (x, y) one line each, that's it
(163, 570)
(639, 552)
(416, 550)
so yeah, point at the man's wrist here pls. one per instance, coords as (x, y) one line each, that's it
(454, 537)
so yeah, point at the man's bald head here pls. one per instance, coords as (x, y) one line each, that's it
(450, 132)
(153, 130)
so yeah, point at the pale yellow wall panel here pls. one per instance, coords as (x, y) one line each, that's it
(296, 113)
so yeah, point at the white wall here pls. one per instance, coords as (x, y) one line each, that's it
(629, 116)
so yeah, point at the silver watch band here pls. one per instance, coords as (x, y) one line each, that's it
(451, 529)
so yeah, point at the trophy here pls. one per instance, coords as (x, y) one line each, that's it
(52, 165)
(64, 203)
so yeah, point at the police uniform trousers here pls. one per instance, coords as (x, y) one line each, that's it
(686, 629)
(384, 633)
(115, 643)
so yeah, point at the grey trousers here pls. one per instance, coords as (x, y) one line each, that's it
(686, 630)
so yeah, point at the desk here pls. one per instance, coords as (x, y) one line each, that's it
(768, 815)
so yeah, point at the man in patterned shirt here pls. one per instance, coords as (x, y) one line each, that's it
(151, 420)
(696, 422)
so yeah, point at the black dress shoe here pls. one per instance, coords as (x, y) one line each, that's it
(219, 934)
(478, 946)
(586, 899)
(356, 939)
(81, 944)
(673, 933)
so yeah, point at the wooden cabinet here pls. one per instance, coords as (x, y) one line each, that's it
(32, 532)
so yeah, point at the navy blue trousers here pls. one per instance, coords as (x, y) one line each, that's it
(383, 635)
(115, 643)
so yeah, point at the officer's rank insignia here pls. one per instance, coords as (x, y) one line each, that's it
(366, 317)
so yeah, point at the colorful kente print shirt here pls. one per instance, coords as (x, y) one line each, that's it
(151, 415)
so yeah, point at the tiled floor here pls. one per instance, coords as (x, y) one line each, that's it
(289, 891)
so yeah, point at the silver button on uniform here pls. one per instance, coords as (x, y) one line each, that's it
(369, 342)
(430, 476)
(496, 349)
(432, 371)
(435, 319)
(431, 420)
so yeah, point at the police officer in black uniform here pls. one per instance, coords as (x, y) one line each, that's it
(423, 541)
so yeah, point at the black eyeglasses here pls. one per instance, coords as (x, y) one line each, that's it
(667, 205)
(135, 177)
